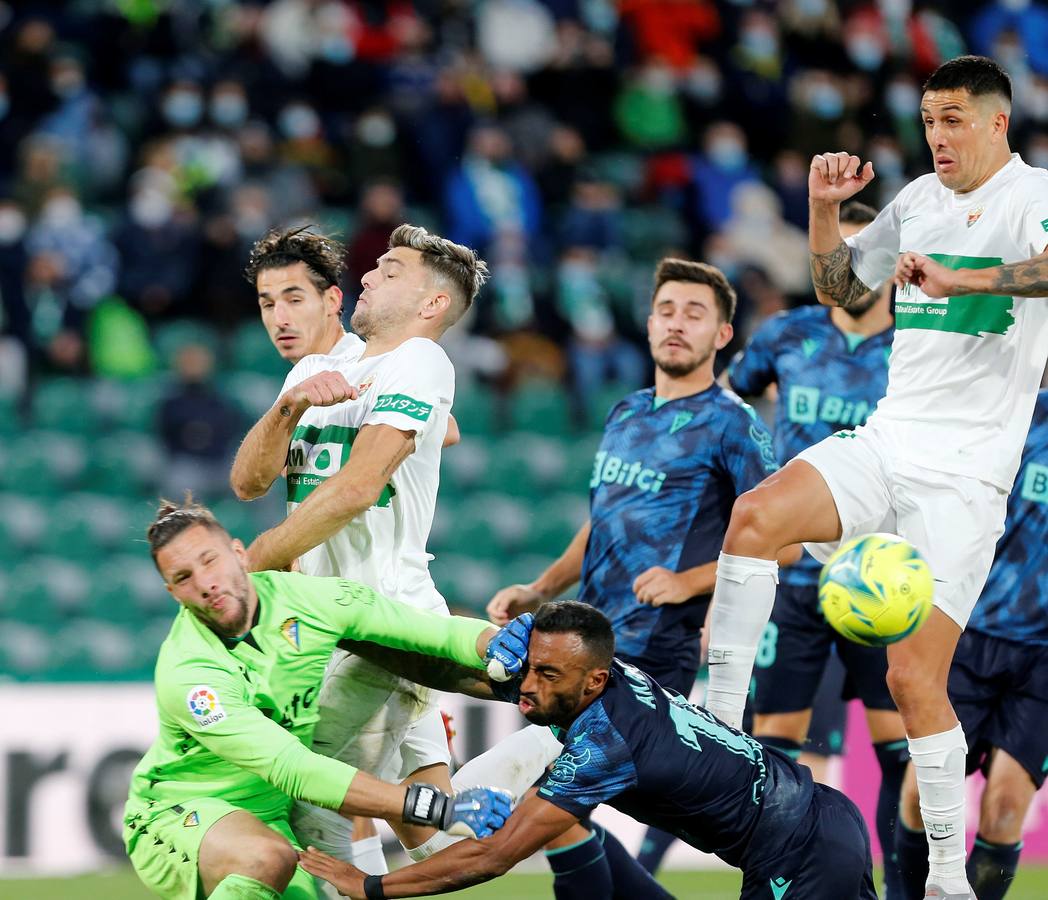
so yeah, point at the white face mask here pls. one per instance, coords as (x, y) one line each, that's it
(12, 225)
(63, 210)
(150, 209)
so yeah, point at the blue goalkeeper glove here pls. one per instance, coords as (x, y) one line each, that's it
(508, 650)
(477, 812)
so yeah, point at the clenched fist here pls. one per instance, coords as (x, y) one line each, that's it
(322, 389)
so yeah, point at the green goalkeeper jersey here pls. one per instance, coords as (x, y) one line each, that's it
(237, 717)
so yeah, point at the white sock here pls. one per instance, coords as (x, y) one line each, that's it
(514, 764)
(438, 842)
(938, 760)
(742, 602)
(367, 855)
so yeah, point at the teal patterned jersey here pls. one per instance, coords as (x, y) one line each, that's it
(661, 491)
(827, 381)
(1014, 603)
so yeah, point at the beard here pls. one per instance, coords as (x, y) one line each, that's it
(863, 305)
(236, 622)
(680, 368)
(560, 711)
(370, 322)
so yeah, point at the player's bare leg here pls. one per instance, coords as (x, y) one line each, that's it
(415, 837)
(240, 844)
(788, 507)
(995, 857)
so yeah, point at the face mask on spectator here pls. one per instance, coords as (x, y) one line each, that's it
(866, 51)
(1014, 6)
(902, 100)
(811, 9)
(183, 109)
(704, 85)
(727, 153)
(298, 122)
(376, 130)
(335, 49)
(759, 43)
(150, 209)
(12, 225)
(826, 101)
(228, 109)
(68, 83)
(887, 163)
(61, 210)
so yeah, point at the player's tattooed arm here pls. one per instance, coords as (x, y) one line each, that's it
(429, 671)
(832, 276)
(1028, 278)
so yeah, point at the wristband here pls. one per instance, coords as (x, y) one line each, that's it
(426, 804)
(373, 888)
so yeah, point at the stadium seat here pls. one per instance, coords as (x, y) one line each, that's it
(554, 522)
(475, 410)
(580, 454)
(62, 404)
(252, 392)
(525, 465)
(23, 523)
(26, 651)
(541, 407)
(252, 351)
(44, 463)
(127, 464)
(463, 467)
(170, 337)
(652, 231)
(466, 583)
(46, 590)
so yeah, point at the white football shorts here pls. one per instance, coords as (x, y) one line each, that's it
(953, 520)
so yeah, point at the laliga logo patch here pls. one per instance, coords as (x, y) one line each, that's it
(973, 215)
(191, 820)
(289, 629)
(365, 384)
(204, 704)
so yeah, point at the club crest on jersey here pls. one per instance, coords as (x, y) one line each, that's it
(974, 214)
(191, 820)
(205, 706)
(289, 629)
(365, 384)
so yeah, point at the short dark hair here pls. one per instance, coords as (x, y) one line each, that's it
(174, 518)
(672, 269)
(460, 269)
(856, 213)
(978, 75)
(588, 622)
(324, 257)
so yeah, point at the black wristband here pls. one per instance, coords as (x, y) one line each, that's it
(373, 888)
(426, 804)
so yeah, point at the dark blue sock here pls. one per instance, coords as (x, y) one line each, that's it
(630, 880)
(892, 756)
(991, 868)
(791, 748)
(581, 871)
(654, 848)
(911, 857)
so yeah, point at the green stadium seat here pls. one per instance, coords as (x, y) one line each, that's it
(526, 465)
(100, 649)
(523, 569)
(26, 651)
(62, 404)
(554, 522)
(475, 410)
(252, 351)
(466, 583)
(240, 519)
(253, 393)
(132, 406)
(170, 337)
(580, 454)
(463, 467)
(23, 523)
(598, 407)
(44, 463)
(651, 232)
(540, 406)
(45, 590)
(126, 464)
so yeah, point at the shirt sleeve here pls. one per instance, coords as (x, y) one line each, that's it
(1033, 215)
(747, 451)
(359, 613)
(417, 382)
(875, 249)
(211, 704)
(595, 766)
(753, 368)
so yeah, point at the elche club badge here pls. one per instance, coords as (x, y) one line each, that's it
(974, 214)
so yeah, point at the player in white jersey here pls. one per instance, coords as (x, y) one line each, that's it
(935, 461)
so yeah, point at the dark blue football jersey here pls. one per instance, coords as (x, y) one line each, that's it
(827, 381)
(1014, 603)
(663, 484)
(667, 763)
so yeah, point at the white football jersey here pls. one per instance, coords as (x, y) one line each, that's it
(964, 371)
(348, 346)
(410, 388)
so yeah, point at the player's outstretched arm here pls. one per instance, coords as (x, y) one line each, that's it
(832, 179)
(563, 573)
(377, 452)
(1028, 278)
(262, 455)
(533, 824)
(438, 674)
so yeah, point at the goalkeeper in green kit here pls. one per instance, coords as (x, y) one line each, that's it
(236, 684)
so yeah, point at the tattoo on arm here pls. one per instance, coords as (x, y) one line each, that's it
(832, 274)
(1028, 278)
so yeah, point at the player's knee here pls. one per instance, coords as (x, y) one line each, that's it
(752, 526)
(1001, 817)
(269, 860)
(911, 683)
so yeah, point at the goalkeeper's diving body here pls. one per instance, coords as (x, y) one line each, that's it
(647, 752)
(236, 685)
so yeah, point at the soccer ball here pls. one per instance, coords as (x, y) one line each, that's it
(876, 590)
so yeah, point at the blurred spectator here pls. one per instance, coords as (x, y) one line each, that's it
(593, 219)
(515, 35)
(760, 237)
(16, 335)
(669, 30)
(718, 170)
(491, 194)
(790, 181)
(381, 210)
(198, 426)
(1027, 20)
(648, 111)
(597, 354)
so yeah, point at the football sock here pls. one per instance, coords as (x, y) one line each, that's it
(939, 762)
(911, 860)
(791, 748)
(581, 871)
(514, 764)
(629, 879)
(742, 602)
(991, 868)
(653, 848)
(367, 855)
(427, 848)
(892, 756)
(240, 887)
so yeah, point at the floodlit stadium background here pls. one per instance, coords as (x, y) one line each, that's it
(145, 144)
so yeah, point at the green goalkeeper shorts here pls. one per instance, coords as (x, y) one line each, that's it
(164, 848)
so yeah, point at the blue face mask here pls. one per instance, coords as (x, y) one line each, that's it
(760, 44)
(866, 52)
(183, 109)
(826, 102)
(727, 153)
(229, 110)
